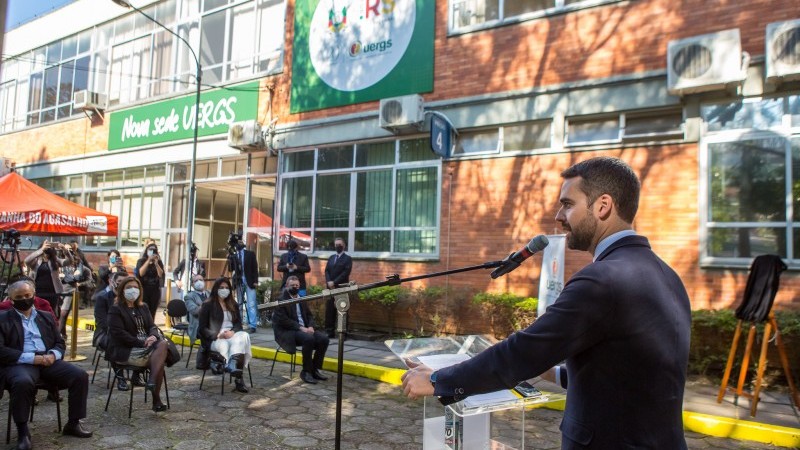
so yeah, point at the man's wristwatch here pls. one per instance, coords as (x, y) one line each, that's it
(433, 378)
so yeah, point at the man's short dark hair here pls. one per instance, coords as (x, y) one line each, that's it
(608, 175)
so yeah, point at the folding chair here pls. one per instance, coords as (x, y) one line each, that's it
(127, 372)
(176, 310)
(215, 356)
(292, 361)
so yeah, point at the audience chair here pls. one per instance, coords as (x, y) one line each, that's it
(217, 357)
(127, 372)
(292, 363)
(41, 385)
(176, 310)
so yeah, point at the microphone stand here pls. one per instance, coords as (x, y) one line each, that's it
(341, 299)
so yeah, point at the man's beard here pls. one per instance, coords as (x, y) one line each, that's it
(580, 236)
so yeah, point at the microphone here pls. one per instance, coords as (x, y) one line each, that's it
(514, 260)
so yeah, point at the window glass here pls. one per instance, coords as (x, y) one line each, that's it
(377, 154)
(54, 53)
(412, 150)
(296, 202)
(484, 141)
(373, 241)
(746, 242)
(81, 80)
(242, 45)
(474, 12)
(794, 110)
(416, 197)
(298, 161)
(323, 240)
(212, 42)
(519, 7)
(50, 87)
(332, 201)
(747, 181)
(649, 125)
(762, 114)
(69, 47)
(225, 206)
(65, 84)
(415, 241)
(374, 199)
(527, 136)
(335, 158)
(271, 34)
(203, 200)
(592, 130)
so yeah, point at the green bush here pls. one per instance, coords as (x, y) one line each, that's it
(387, 296)
(507, 312)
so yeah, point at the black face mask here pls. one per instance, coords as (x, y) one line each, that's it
(293, 291)
(339, 248)
(23, 304)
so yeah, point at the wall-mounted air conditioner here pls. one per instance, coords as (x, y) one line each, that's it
(245, 135)
(783, 50)
(401, 112)
(88, 100)
(706, 63)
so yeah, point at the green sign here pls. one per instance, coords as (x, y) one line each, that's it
(352, 52)
(173, 119)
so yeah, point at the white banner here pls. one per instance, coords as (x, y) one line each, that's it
(551, 281)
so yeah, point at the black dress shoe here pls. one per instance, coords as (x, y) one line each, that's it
(318, 375)
(24, 442)
(240, 387)
(76, 429)
(122, 385)
(307, 377)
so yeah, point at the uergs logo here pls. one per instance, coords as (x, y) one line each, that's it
(373, 36)
(97, 224)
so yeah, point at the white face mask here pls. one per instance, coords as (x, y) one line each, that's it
(199, 285)
(131, 293)
(224, 293)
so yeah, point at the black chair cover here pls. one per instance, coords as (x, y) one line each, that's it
(762, 286)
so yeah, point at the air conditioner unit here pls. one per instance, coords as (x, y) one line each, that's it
(783, 50)
(88, 100)
(245, 135)
(706, 63)
(401, 112)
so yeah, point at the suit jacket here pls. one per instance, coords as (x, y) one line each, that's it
(250, 267)
(211, 317)
(285, 323)
(122, 331)
(194, 300)
(622, 323)
(339, 272)
(301, 261)
(103, 301)
(12, 340)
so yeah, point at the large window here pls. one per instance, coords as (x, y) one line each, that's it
(130, 59)
(469, 15)
(383, 197)
(752, 181)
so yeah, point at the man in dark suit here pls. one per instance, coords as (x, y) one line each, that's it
(294, 263)
(293, 326)
(31, 349)
(244, 266)
(337, 271)
(622, 323)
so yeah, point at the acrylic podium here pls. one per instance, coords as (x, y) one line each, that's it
(493, 421)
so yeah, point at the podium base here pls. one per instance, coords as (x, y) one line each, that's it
(75, 358)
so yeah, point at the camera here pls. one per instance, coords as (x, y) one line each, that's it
(10, 237)
(234, 241)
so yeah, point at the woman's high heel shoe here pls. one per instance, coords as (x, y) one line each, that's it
(159, 407)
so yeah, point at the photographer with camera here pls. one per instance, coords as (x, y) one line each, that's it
(198, 268)
(294, 263)
(43, 265)
(150, 272)
(243, 266)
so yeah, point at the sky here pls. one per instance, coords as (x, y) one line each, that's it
(20, 11)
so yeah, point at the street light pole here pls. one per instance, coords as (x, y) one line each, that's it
(187, 270)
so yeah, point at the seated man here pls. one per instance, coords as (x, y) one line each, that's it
(194, 300)
(31, 349)
(103, 301)
(293, 326)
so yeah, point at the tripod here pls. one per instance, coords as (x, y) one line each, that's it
(238, 288)
(341, 298)
(9, 255)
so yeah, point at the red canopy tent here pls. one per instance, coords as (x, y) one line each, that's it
(30, 209)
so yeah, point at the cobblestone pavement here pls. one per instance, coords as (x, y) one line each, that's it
(278, 413)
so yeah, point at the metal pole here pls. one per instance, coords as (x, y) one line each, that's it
(187, 271)
(73, 346)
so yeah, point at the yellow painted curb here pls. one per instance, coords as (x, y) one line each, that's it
(741, 429)
(706, 424)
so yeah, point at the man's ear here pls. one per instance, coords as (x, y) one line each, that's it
(604, 206)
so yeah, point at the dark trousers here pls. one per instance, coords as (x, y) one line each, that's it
(330, 315)
(314, 347)
(152, 298)
(21, 382)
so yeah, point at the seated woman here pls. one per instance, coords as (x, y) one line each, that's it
(134, 338)
(220, 330)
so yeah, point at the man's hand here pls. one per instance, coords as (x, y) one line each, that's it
(417, 380)
(308, 330)
(44, 360)
(331, 285)
(150, 341)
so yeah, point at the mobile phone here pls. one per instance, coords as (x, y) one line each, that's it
(527, 390)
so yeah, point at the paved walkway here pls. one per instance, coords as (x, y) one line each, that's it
(281, 413)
